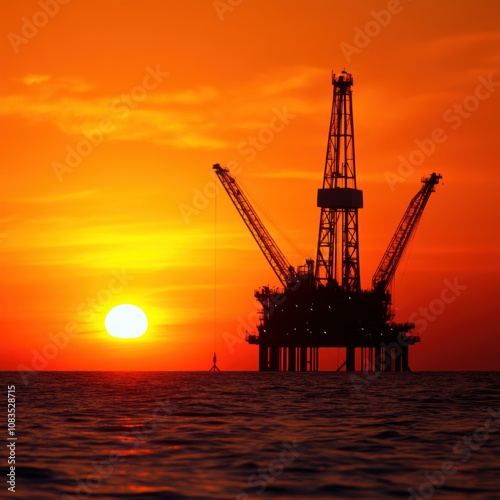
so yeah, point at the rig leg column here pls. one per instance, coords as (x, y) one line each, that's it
(313, 359)
(292, 361)
(350, 358)
(303, 359)
(378, 358)
(404, 358)
(263, 358)
(388, 359)
(274, 362)
(397, 361)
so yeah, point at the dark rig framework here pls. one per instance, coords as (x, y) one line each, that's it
(321, 303)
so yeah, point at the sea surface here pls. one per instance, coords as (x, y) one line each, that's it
(248, 435)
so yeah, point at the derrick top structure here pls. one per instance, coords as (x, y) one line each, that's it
(340, 163)
(337, 259)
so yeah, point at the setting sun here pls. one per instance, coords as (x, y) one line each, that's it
(126, 321)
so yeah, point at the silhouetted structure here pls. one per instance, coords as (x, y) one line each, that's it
(214, 368)
(323, 305)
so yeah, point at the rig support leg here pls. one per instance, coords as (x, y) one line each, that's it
(303, 359)
(350, 357)
(378, 358)
(388, 359)
(275, 359)
(292, 360)
(263, 358)
(397, 361)
(313, 359)
(404, 358)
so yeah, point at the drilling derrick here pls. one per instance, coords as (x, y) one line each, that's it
(337, 257)
(321, 304)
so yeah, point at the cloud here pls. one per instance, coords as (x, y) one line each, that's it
(107, 242)
(292, 86)
(34, 79)
(459, 43)
(289, 79)
(49, 85)
(76, 195)
(198, 95)
(177, 118)
(291, 174)
(171, 118)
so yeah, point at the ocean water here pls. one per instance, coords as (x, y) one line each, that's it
(247, 435)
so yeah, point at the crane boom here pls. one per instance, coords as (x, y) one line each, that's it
(387, 267)
(282, 268)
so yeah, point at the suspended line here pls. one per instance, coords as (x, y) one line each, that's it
(215, 271)
(405, 258)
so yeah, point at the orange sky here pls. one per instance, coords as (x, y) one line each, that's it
(165, 89)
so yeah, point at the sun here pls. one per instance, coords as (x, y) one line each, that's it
(126, 321)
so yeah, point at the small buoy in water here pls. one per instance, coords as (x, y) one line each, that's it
(214, 368)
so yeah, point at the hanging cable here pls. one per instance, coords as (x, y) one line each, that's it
(405, 258)
(214, 367)
(215, 270)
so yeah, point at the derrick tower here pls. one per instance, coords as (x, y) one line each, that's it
(337, 257)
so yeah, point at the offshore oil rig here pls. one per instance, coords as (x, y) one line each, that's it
(321, 303)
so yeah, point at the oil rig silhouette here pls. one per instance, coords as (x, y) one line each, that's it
(321, 303)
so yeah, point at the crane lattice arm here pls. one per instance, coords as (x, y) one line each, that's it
(387, 267)
(284, 271)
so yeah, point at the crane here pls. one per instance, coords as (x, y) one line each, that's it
(406, 228)
(280, 265)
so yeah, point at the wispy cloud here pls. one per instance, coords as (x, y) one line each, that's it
(34, 79)
(290, 174)
(108, 242)
(290, 79)
(171, 118)
(53, 198)
(458, 43)
(177, 118)
(49, 85)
